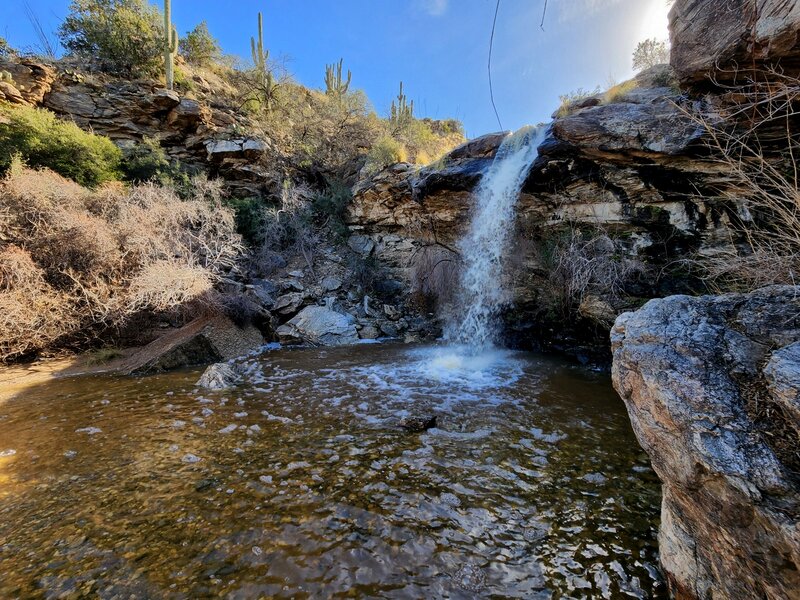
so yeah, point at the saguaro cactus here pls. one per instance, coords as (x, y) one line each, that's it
(334, 84)
(402, 111)
(264, 78)
(170, 44)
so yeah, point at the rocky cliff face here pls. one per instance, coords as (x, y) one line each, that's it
(721, 41)
(621, 193)
(192, 131)
(712, 386)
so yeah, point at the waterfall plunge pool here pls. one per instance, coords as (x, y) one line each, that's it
(299, 484)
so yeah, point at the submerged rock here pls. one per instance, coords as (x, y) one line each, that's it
(721, 432)
(418, 423)
(219, 376)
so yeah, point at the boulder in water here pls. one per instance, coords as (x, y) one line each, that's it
(320, 326)
(219, 376)
(711, 387)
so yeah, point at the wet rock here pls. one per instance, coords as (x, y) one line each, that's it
(417, 423)
(470, 577)
(219, 376)
(389, 329)
(721, 434)
(204, 340)
(320, 326)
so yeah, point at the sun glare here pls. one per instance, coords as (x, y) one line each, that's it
(655, 22)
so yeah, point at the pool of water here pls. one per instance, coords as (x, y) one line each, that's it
(300, 484)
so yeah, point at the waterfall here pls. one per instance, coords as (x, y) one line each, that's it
(483, 249)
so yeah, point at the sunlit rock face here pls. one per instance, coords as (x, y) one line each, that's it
(721, 431)
(721, 41)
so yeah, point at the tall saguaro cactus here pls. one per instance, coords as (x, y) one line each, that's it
(402, 111)
(264, 78)
(170, 44)
(334, 84)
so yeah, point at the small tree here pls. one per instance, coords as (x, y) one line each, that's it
(199, 47)
(121, 36)
(649, 53)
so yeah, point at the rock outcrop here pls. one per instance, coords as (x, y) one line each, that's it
(711, 385)
(204, 340)
(722, 41)
(191, 131)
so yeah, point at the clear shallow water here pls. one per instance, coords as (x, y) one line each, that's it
(300, 485)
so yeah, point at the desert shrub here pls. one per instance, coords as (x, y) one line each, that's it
(75, 260)
(386, 151)
(649, 53)
(148, 162)
(249, 217)
(119, 36)
(329, 206)
(43, 140)
(752, 133)
(288, 228)
(199, 47)
(589, 262)
(434, 274)
(569, 101)
(6, 51)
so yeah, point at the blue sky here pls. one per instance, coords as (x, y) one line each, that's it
(437, 47)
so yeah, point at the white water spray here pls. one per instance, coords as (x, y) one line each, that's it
(482, 292)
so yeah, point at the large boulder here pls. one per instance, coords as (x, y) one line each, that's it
(204, 340)
(320, 326)
(721, 432)
(721, 41)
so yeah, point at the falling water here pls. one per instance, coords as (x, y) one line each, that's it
(484, 247)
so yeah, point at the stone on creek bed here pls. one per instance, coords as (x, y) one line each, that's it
(418, 423)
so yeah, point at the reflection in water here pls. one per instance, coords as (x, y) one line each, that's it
(300, 485)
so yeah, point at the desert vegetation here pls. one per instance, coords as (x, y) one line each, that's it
(752, 134)
(76, 261)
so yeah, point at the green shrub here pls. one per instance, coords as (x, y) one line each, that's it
(386, 151)
(120, 36)
(249, 216)
(199, 47)
(329, 207)
(43, 140)
(147, 162)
